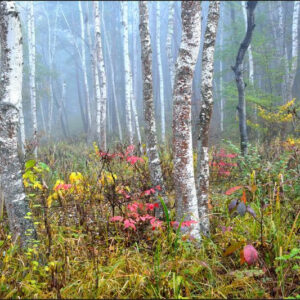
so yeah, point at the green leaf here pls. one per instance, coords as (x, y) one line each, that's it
(29, 164)
(44, 166)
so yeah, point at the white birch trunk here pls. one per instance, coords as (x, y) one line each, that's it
(124, 10)
(100, 65)
(160, 75)
(10, 97)
(295, 33)
(133, 92)
(31, 53)
(98, 101)
(169, 41)
(22, 128)
(84, 70)
(185, 189)
(250, 56)
(206, 112)
(150, 125)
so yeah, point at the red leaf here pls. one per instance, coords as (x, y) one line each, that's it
(250, 254)
(233, 189)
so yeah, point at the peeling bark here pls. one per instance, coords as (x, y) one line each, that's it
(237, 69)
(150, 125)
(206, 112)
(185, 189)
(10, 98)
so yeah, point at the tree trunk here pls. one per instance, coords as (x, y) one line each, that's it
(100, 64)
(124, 10)
(84, 70)
(295, 32)
(237, 69)
(169, 41)
(10, 98)
(150, 125)
(206, 112)
(31, 53)
(160, 75)
(222, 102)
(185, 189)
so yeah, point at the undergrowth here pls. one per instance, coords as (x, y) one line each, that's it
(99, 238)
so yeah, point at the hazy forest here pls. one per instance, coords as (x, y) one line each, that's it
(149, 149)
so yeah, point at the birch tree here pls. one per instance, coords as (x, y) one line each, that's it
(206, 112)
(237, 69)
(185, 189)
(100, 65)
(160, 74)
(10, 97)
(149, 116)
(295, 33)
(124, 10)
(169, 41)
(31, 53)
(84, 70)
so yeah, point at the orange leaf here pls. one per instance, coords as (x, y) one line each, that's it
(233, 189)
(244, 197)
(242, 257)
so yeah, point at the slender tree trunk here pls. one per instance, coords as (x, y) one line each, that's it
(295, 48)
(100, 64)
(84, 70)
(250, 56)
(133, 94)
(160, 75)
(10, 98)
(169, 41)
(60, 109)
(31, 51)
(150, 125)
(185, 189)
(237, 69)
(206, 112)
(124, 9)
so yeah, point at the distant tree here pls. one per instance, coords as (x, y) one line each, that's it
(185, 189)
(11, 68)
(206, 112)
(169, 41)
(238, 71)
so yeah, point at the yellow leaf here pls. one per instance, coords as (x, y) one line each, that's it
(232, 248)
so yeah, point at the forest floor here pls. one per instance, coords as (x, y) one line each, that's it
(98, 237)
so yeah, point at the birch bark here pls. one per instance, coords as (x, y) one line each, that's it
(185, 189)
(206, 112)
(10, 97)
(150, 125)
(160, 74)
(101, 66)
(124, 10)
(31, 52)
(169, 41)
(84, 70)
